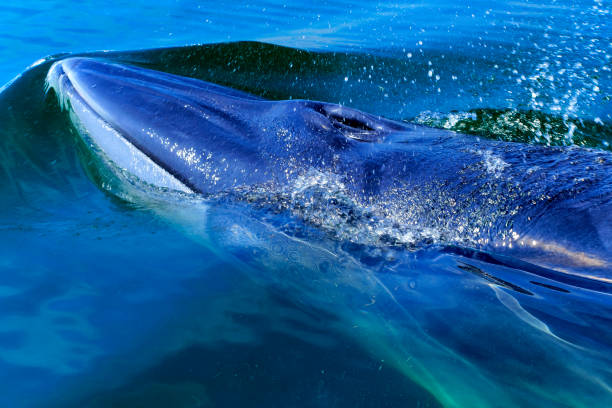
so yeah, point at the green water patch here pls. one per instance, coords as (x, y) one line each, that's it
(527, 126)
(392, 86)
(249, 375)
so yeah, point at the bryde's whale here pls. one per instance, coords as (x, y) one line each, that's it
(549, 206)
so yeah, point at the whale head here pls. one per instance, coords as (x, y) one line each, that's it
(190, 135)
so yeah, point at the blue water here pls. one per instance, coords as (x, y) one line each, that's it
(111, 296)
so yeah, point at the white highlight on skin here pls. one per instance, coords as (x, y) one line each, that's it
(104, 137)
(494, 164)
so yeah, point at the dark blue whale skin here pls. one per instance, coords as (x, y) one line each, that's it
(546, 205)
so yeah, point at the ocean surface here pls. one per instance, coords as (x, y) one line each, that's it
(115, 295)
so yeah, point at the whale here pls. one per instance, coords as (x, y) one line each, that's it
(394, 182)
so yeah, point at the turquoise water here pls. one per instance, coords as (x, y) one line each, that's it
(111, 295)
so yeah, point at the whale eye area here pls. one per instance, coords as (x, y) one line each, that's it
(349, 122)
(343, 121)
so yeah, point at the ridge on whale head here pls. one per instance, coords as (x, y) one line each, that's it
(547, 205)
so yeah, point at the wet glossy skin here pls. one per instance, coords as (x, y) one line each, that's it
(550, 206)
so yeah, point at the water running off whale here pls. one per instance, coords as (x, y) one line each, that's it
(359, 176)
